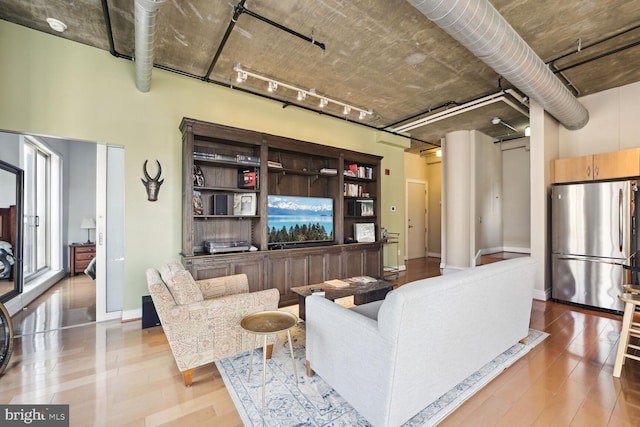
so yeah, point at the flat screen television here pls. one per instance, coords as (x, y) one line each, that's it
(299, 221)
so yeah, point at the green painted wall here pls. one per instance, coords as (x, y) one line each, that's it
(51, 86)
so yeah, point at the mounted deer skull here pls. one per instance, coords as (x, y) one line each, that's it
(152, 184)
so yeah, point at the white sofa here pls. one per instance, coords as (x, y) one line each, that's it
(390, 359)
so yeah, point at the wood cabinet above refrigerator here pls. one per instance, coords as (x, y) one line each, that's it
(604, 166)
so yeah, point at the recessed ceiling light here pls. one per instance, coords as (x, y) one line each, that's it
(56, 25)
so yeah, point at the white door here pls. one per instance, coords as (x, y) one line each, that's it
(416, 219)
(109, 222)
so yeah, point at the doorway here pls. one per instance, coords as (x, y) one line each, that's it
(416, 196)
(87, 185)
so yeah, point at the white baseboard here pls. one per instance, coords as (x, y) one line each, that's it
(542, 295)
(517, 249)
(434, 255)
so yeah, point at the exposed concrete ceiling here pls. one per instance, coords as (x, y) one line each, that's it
(380, 54)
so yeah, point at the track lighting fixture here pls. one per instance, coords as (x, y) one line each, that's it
(301, 93)
(498, 121)
(242, 76)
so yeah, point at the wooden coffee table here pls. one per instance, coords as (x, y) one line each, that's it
(362, 293)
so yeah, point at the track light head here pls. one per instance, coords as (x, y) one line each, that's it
(301, 95)
(346, 109)
(272, 86)
(323, 102)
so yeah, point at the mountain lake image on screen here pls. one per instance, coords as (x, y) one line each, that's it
(293, 219)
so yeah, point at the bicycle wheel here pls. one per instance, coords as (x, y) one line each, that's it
(6, 338)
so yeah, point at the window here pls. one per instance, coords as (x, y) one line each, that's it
(37, 168)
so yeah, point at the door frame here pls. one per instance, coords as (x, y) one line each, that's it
(406, 216)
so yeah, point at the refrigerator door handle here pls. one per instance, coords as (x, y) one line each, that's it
(620, 218)
(590, 259)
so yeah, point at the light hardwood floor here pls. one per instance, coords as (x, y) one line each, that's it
(117, 374)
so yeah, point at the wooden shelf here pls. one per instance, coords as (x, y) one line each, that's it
(226, 189)
(226, 216)
(301, 176)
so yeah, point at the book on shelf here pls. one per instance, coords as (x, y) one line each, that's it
(352, 190)
(366, 207)
(329, 171)
(272, 164)
(251, 160)
(356, 171)
(337, 283)
(213, 156)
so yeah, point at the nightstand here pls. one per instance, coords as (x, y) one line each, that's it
(80, 255)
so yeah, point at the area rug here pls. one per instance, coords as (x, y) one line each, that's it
(312, 402)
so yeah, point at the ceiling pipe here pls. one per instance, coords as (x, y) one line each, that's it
(145, 27)
(478, 26)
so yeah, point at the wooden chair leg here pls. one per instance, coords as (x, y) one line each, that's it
(310, 372)
(269, 351)
(623, 342)
(187, 376)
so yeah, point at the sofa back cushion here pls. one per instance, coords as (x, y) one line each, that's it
(446, 328)
(180, 283)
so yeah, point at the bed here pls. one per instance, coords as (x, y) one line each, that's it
(7, 241)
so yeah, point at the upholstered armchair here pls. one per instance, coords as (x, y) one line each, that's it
(201, 319)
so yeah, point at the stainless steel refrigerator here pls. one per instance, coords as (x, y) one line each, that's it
(593, 236)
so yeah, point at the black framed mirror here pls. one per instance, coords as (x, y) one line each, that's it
(11, 228)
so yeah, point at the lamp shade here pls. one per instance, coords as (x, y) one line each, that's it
(88, 223)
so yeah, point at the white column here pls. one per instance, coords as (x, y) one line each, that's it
(544, 146)
(458, 206)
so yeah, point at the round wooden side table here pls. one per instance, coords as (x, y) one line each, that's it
(269, 323)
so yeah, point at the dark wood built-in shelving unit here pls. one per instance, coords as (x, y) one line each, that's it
(280, 166)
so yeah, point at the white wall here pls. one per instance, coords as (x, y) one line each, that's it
(614, 123)
(488, 195)
(81, 189)
(434, 178)
(516, 196)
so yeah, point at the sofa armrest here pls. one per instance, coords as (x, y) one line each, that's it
(339, 336)
(221, 286)
(348, 351)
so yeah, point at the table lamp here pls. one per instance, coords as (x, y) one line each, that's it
(88, 224)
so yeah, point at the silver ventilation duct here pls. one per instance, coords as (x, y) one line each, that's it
(145, 25)
(478, 26)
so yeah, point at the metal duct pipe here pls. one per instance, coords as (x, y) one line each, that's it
(478, 26)
(145, 26)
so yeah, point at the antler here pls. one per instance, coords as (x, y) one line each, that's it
(144, 170)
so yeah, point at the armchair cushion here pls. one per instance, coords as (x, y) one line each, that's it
(183, 288)
(223, 286)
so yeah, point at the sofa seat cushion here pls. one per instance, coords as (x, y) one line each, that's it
(183, 288)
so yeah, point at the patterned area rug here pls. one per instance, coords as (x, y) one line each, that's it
(312, 402)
